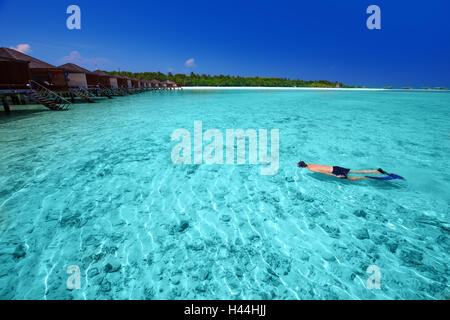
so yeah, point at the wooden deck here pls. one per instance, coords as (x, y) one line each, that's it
(72, 95)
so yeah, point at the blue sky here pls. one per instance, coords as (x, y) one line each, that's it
(309, 40)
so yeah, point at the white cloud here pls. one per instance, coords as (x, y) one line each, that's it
(23, 47)
(77, 58)
(74, 57)
(190, 62)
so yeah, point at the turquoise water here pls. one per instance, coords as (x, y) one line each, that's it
(95, 187)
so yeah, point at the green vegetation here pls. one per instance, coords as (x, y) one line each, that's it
(230, 81)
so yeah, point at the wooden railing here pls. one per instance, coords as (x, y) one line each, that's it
(51, 95)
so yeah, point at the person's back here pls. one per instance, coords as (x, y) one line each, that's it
(319, 168)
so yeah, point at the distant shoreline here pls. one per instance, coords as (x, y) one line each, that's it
(280, 88)
(306, 88)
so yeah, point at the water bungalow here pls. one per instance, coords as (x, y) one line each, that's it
(25, 79)
(113, 82)
(110, 84)
(122, 82)
(14, 74)
(169, 85)
(81, 82)
(43, 80)
(75, 75)
(129, 84)
(104, 79)
(41, 73)
(155, 84)
(135, 83)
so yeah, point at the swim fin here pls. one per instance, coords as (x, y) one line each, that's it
(382, 171)
(390, 176)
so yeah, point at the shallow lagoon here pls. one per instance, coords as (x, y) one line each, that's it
(95, 187)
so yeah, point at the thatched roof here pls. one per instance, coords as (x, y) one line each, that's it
(13, 60)
(73, 68)
(101, 73)
(155, 81)
(16, 55)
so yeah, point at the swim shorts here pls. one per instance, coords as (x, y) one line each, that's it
(340, 172)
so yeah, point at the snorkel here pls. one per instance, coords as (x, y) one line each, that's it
(302, 164)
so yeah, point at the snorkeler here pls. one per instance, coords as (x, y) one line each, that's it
(338, 172)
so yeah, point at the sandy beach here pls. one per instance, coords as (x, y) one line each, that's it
(283, 88)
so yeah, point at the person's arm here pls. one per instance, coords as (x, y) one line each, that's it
(327, 173)
(324, 172)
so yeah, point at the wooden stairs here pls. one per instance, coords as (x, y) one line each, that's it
(35, 96)
(118, 92)
(46, 97)
(83, 94)
(105, 92)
